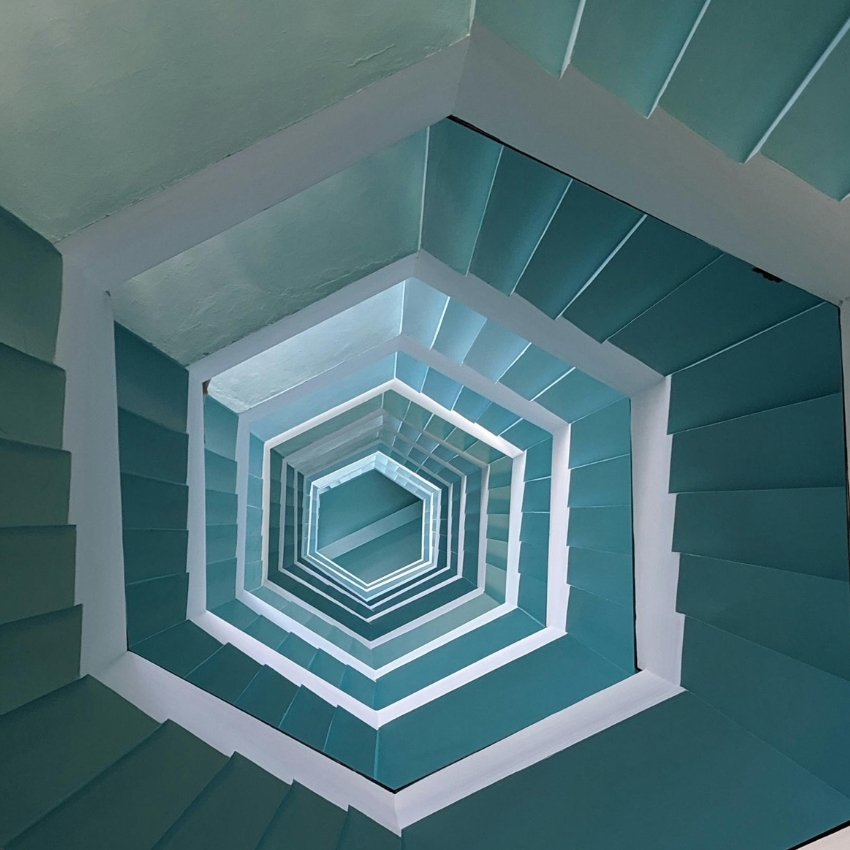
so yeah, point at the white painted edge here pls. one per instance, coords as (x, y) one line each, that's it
(196, 553)
(659, 628)
(836, 841)
(133, 240)
(85, 349)
(558, 590)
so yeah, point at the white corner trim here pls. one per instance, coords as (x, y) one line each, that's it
(230, 191)
(659, 627)
(196, 552)
(531, 745)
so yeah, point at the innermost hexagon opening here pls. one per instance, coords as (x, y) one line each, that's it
(372, 524)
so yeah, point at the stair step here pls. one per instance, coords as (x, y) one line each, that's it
(601, 435)
(236, 613)
(179, 649)
(225, 674)
(304, 819)
(34, 394)
(577, 395)
(495, 349)
(723, 304)
(536, 497)
(154, 553)
(460, 172)
(656, 259)
(308, 719)
(609, 575)
(220, 472)
(802, 530)
(221, 542)
(55, 745)
(532, 597)
(801, 445)
(38, 655)
(267, 632)
(797, 709)
(220, 426)
(458, 329)
(155, 605)
(326, 667)
(221, 582)
(605, 482)
(362, 833)
(149, 383)
(795, 361)
(221, 508)
(584, 231)
(352, 742)
(608, 529)
(267, 696)
(34, 485)
(802, 616)
(150, 449)
(133, 803)
(603, 626)
(523, 199)
(37, 568)
(147, 503)
(231, 813)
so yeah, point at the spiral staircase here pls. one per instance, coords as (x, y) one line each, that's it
(450, 500)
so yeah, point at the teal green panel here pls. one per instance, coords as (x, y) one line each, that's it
(283, 259)
(253, 575)
(361, 833)
(801, 445)
(35, 394)
(268, 696)
(606, 482)
(267, 632)
(470, 404)
(495, 583)
(536, 495)
(221, 542)
(608, 575)
(38, 655)
(652, 263)
(212, 823)
(152, 553)
(304, 820)
(411, 372)
(601, 435)
(255, 456)
(577, 395)
(423, 309)
(457, 331)
(583, 233)
(155, 605)
(220, 426)
(150, 384)
(220, 508)
(723, 304)
(524, 197)
(799, 710)
(540, 28)
(441, 389)
(34, 485)
(180, 649)
(133, 803)
(500, 497)
(534, 559)
(535, 527)
(31, 271)
(54, 746)
(37, 570)
(730, 87)
(148, 503)
(805, 617)
(524, 435)
(298, 650)
(150, 449)
(308, 719)
(463, 721)
(604, 626)
(607, 529)
(225, 674)
(795, 361)
(221, 582)
(497, 419)
(813, 137)
(630, 47)
(538, 461)
(236, 613)
(352, 742)
(461, 167)
(220, 472)
(716, 787)
(326, 667)
(533, 372)
(494, 351)
(532, 598)
(359, 686)
(255, 491)
(799, 530)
